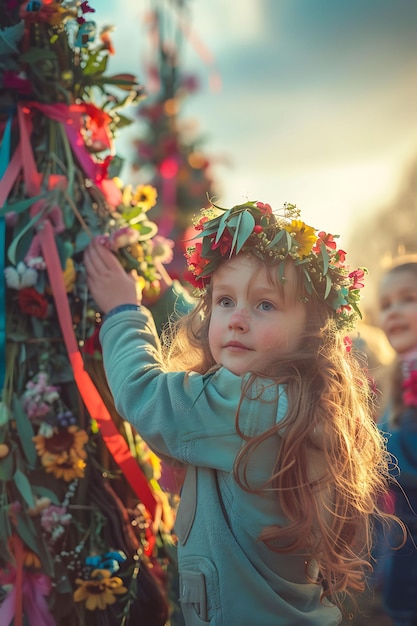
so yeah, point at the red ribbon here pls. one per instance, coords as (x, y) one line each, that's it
(91, 397)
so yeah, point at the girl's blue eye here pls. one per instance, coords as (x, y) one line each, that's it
(266, 306)
(227, 303)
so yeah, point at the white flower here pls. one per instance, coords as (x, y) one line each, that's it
(20, 276)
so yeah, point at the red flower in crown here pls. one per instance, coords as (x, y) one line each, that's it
(341, 258)
(201, 222)
(224, 244)
(196, 264)
(266, 209)
(326, 239)
(409, 387)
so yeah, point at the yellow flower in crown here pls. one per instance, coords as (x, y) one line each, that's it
(304, 236)
(145, 196)
(100, 591)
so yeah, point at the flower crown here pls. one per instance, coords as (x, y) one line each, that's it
(253, 227)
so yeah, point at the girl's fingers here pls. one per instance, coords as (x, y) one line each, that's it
(99, 259)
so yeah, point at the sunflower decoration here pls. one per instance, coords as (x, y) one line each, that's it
(100, 590)
(61, 451)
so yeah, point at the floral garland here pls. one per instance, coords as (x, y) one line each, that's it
(253, 226)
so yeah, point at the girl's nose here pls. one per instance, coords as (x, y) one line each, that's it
(239, 320)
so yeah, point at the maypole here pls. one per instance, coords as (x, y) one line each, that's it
(82, 518)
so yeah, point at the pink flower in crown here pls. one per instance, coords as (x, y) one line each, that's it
(348, 343)
(264, 208)
(357, 277)
(224, 244)
(409, 387)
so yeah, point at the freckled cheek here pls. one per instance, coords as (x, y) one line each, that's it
(214, 335)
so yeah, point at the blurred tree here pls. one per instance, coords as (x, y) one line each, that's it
(170, 151)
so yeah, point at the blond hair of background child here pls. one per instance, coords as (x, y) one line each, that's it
(256, 390)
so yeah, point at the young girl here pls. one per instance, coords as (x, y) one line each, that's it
(257, 393)
(398, 319)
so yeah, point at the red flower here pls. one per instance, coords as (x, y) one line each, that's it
(341, 258)
(224, 244)
(196, 264)
(33, 303)
(326, 239)
(409, 387)
(201, 222)
(264, 208)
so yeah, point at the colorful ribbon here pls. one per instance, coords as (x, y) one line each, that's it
(23, 158)
(71, 118)
(92, 399)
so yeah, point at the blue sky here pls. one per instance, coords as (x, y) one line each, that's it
(318, 98)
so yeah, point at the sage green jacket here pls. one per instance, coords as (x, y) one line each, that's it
(227, 576)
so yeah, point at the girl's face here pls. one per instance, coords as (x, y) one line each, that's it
(250, 317)
(398, 309)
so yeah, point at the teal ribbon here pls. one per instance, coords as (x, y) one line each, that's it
(4, 162)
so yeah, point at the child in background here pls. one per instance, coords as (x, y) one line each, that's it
(398, 319)
(257, 394)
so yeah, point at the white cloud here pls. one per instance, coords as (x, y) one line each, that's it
(221, 23)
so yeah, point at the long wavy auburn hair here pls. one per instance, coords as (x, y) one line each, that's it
(330, 423)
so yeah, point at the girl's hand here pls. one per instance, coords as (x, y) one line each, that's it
(107, 281)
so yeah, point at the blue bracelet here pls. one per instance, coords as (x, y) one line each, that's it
(120, 308)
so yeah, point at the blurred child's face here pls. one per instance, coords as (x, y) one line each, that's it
(398, 309)
(250, 316)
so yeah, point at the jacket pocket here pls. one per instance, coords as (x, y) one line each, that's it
(187, 507)
(199, 592)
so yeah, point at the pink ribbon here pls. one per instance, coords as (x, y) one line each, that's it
(71, 118)
(35, 588)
